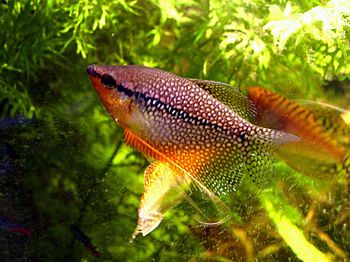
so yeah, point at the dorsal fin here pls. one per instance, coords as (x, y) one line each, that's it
(229, 96)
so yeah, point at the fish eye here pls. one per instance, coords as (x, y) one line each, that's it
(108, 81)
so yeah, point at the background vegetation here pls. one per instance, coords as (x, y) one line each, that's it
(62, 158)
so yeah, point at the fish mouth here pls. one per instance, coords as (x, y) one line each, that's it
(91, 70)
(94, 77)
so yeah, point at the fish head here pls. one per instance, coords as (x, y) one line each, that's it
(115, 86)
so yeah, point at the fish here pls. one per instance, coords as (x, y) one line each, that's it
(323, 134)
(199, 128)
(84, 239)
(12, 227)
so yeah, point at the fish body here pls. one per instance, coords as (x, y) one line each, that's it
(197, 127)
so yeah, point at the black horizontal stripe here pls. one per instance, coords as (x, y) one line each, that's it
(128, 92)
(157, 103)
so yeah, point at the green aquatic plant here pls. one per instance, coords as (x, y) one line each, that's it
(70, 166)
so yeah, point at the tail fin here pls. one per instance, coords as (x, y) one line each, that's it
(318, 152)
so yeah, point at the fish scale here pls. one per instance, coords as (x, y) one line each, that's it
(197, 126)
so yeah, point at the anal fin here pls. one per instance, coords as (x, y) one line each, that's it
(163, 189)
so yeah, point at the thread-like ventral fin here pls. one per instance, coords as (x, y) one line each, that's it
(141, 146)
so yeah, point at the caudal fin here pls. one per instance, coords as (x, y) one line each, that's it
(321, 147)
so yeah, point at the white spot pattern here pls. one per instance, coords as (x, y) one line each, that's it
(191, 126)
